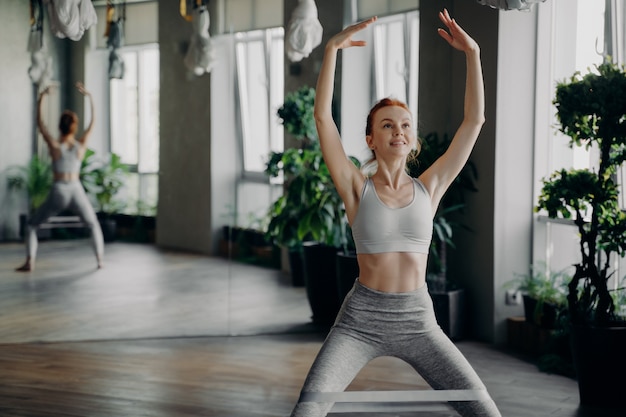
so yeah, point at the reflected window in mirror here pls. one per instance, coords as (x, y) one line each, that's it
(134, 102)
(260, 87)
(396, 58)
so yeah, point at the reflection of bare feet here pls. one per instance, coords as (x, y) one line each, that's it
(100, 264)
(27, 267)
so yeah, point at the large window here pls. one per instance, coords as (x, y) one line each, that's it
(584, 34)
(572, 37)
(135, 125)
(396, 52)
(260, 86)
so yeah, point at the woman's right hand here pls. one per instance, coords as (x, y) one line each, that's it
(81, 88)
(344, 38)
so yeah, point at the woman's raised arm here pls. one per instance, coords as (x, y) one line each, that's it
(341, 168)
(50, 141)
(440, 175)
(85, 136)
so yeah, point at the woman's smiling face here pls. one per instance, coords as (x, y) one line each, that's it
(392, 131)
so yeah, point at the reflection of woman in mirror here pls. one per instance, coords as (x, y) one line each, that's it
(389, 311)
(67, 191)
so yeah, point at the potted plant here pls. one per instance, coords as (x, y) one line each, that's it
(448, 298)
(590, 110)
(296, 115)
(543, 293)
(103, 178)
(308, 218)
(36, 179)
(543, 332)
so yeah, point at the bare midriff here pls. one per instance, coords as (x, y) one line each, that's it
(392, 271)
(66, 176)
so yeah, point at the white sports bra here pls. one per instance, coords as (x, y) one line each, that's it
(69, 162)
(378, 228)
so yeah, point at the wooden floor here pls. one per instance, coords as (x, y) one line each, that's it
(168, 334)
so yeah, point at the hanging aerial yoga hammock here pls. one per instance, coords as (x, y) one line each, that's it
(71, 18)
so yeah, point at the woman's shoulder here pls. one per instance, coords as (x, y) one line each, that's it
(53, 143)
(421, 185)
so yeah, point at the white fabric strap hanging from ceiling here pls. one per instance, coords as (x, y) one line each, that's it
(200, 57)
(71, 18)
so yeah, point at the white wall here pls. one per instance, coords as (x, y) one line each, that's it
(514, 152)
(17, 103)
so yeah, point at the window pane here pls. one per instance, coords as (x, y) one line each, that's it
(256, 138)
(589, 40)
(260, 94)
(149, 111)
(135, 125)
(590, 34)
(124, 112)
(576, 45)
(390, 62)
(396, 58)
(277, 82)
(619, 31)
(413, 21)
(129, 194)
(148, 197)
(368, 8)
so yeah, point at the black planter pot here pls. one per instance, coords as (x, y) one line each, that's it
(320, 277)
(42, 234)
(542, 314)
(600, 364)
(108, 226)
(296, 266)
(450, 312)
(134, 228)
(231, 233)
(347, 273)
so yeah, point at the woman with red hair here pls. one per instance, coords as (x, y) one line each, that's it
(389, 312)
(67, 191)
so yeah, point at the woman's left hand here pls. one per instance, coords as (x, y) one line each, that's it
(455, 35)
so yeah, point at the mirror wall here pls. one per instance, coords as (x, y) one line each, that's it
(195, 146)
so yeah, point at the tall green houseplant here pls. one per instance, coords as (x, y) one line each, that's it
(309, 218)
(591, 110)
(35, 178)
(104, 178)
(310, 208)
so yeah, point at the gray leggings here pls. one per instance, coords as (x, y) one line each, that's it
(65, 195)
(373, 323)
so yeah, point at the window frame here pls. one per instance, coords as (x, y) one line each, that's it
(274, 81)
(410, 55)
(143, 108)
(555, 240)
